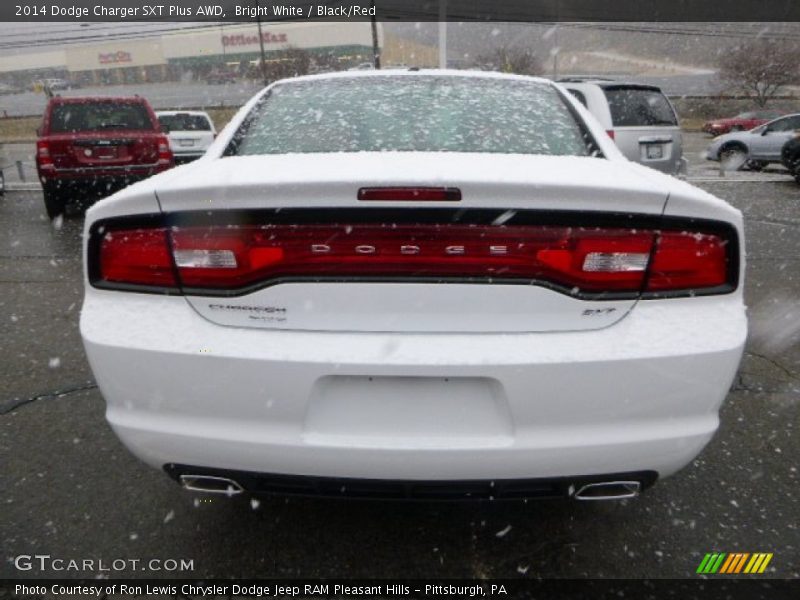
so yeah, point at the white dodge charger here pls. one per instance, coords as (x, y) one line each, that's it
(420, 284)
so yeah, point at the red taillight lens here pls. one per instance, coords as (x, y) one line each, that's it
(165, 156)
(577, 260)
(610, 133)
(590, 260)
(43, 154)
(684, 260)
(136, 256)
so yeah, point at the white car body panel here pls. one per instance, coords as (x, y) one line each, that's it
(479, 382)
(643, 394)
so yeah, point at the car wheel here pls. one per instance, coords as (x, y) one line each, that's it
(54, 203)
(756, 165)
(733, 157)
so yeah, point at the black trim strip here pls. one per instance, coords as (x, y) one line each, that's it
(257, 483)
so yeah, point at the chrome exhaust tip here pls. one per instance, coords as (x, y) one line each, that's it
(210, 485)
(608, 490)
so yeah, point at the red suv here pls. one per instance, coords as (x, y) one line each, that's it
(96, 146)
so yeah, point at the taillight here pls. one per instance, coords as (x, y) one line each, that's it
(43, 157)
(165, 156)
(684, 261)
(234, 258)
(611, 133)
(137, 257)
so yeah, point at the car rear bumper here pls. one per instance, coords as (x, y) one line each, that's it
(184, 157)
(232, 482)
(642, 395)
(88, 175)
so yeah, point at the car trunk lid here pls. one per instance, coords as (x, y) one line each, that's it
(330, 261)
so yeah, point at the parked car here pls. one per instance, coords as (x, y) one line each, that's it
(741, 122)
(97, 145)
(639, 118)
(756, 148)
(414, 284)
(790, 156)
(190, 132)
(7, 89)
(364, 66)
(54, 84)
(221, 77)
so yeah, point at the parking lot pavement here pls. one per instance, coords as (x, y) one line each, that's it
(72, 491)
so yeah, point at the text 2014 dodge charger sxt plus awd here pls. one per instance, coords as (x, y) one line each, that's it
(414, 284)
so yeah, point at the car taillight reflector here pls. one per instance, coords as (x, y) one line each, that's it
(43, 154)
(685, 260)
(165, 156)
(136, 256)
(616, 261)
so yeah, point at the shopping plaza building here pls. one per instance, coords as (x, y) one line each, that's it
(198, 50)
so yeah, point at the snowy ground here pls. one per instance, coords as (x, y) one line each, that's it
(71, 490)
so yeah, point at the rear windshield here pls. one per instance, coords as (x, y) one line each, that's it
(412, 114)
(631, 107)
(184, 123)
(98, 116)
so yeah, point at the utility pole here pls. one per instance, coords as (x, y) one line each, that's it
(376, 51)
(556, 50)
(442, 34)
(261, 45)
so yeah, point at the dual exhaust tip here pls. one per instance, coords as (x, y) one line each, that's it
(608, 490)
(601, 490)
(211, 485)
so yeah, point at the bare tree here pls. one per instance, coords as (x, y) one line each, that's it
(760, 68)
(513, 59)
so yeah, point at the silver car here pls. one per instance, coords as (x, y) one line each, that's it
(755, 148)
(639, 118)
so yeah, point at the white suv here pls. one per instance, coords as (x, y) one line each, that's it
(639, 118)
(190, 132)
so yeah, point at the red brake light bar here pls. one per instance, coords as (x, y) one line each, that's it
(431, 194)
(233, 258)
